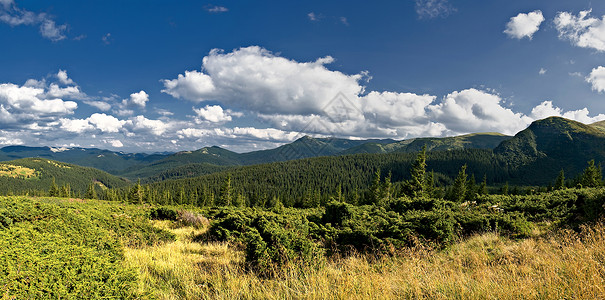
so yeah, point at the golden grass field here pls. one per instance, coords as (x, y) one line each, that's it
(17, 171)
(562, 265)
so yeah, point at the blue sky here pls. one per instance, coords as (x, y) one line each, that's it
(145, 76)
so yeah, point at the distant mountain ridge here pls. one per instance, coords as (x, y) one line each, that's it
(204, 160)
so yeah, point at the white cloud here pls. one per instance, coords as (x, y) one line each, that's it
(103, 106)
(312, 16)
(582, 30)
(255, 79)
(139, 99)
(15, 16)
(215, 114)
(265, 134)
(433, 8)
(136, 100)
(142, 124)
(546, 109)
(50, 30)
(597, 79)
(344, 21)
(76, 125)
(524, 25)
(107, 39)
(105, 123)
(468, 110)
(542, 71)
(114, 143)
(70, 92)
(25, 103)
(215, 9)
(63, 78)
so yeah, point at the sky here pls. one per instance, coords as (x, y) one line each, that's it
(154, 76)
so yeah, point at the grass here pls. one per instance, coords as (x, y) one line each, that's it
(558, 265)
(13, 171)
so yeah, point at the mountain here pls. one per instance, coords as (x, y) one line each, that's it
(599, 125)
(30, 174)
(109, 161)
(487, 140)
(215, 156)
(550, 145)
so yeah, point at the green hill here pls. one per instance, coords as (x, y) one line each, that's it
(550, 145)
(108, 161)
(37, 174)
(488, 140)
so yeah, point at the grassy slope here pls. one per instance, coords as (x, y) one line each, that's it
(90, 249)
(560, 265)
(487, 140)
(76, 176)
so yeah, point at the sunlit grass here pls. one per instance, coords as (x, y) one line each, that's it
(557, 266)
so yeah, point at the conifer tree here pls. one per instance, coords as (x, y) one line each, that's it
(459, 188)
(483, 187)
(225, 197)
(136, 193)
(417, 183)
(91, 193)
(54, 189)
(592, 175)
(560, 181)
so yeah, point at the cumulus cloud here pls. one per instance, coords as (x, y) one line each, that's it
(12, 15)
(141, 124)
(63, 78)
(24, 104)
(255, 79)
(307, 97)
(581, 30)
(546, 109)
(467, 110)
(105, 123)
(524, 25)
(271, 134)
(597, 79)
(542, 71)
(433, 8)
(136, 100)
(215, 114)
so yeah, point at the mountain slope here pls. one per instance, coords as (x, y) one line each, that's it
(30, 174)
(109, 161)
(488, 140)
(552, 144)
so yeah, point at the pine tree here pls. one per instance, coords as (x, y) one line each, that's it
(429, 188)
(54, 189)
(375, 189)
(560, 182)
(225, 197)
(483, 187)
(471, 189)
(592, 175)
(417, 184)
(91, 193)
(504, 189)
(136, 193)
(459, 188)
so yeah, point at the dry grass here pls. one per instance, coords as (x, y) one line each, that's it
(13, 171)
(559, 266)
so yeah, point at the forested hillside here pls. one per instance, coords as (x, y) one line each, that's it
(37, 176)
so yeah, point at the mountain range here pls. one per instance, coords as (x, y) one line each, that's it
(532, 156)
